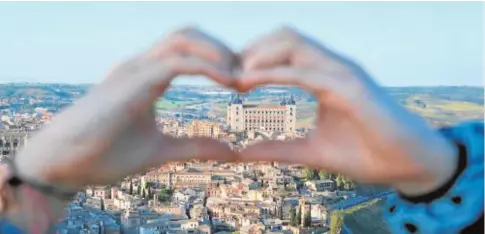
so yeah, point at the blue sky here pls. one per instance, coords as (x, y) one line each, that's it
(399, 43)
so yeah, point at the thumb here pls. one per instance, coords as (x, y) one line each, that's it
(181, 149)
(294, 152)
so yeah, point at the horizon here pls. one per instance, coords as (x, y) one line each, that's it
(216, 85)
(400, 43)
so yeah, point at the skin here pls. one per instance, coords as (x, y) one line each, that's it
(111, 132)
(360, 131)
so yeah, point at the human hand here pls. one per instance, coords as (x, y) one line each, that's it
(360, 131)
(111, 132)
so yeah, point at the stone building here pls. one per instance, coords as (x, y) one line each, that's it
(203, 128)
(179, 179)
(261, 117)
(10, 142)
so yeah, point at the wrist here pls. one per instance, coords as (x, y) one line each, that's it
(436, 172)
(26, 207)
(33, 211)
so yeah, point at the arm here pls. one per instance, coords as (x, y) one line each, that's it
(458, 203)
(111, 132)
(363, 133)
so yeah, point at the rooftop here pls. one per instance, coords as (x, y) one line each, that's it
(263, 106)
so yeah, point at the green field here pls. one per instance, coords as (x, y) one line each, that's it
(168, 105)
(459, 106)
(444, 111)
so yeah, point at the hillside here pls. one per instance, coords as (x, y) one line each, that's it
(367, 220)
(42, 90)
(439, 105)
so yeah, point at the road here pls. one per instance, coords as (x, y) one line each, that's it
(354, 202)
(346, 204)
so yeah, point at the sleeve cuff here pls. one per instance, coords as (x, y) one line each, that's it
(457, 206)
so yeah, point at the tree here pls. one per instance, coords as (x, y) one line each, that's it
(307, 221)
(336, 222)
(150, 195)
(131, 188)
(349, 185)
(148, 185)
(280, 212)
(102, 204)
(323, 175)
(339, 181)
(298, 216)
(293, 221)
(308, 173)
(165, 195)
(143, 193)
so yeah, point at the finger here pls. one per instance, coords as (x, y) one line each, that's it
(294, 152)
(283, 34)
(159, 81)
(192, 65)
(276, 76)
(193, 42)
(181, 149)
(274, 55)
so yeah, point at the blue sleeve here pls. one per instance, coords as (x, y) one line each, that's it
(6, 227)
(457, 207)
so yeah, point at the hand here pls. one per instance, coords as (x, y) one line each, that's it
(111, 132)
(360, 131)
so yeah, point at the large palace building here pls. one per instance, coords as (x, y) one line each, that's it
(261, 117)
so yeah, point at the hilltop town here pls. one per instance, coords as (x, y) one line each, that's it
(214, 196)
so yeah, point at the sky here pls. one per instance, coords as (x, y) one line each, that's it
(398, 43)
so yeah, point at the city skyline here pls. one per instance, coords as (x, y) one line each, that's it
(400, 44)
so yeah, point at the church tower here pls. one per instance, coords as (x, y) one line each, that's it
(290, 120)
(235, 115)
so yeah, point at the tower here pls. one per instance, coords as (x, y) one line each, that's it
(235, 115)
(290, 118)
(169, 181)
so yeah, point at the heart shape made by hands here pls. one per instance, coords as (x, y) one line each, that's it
(360, 131)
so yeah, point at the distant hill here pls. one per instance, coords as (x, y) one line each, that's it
(42, 90)
(440, 105)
